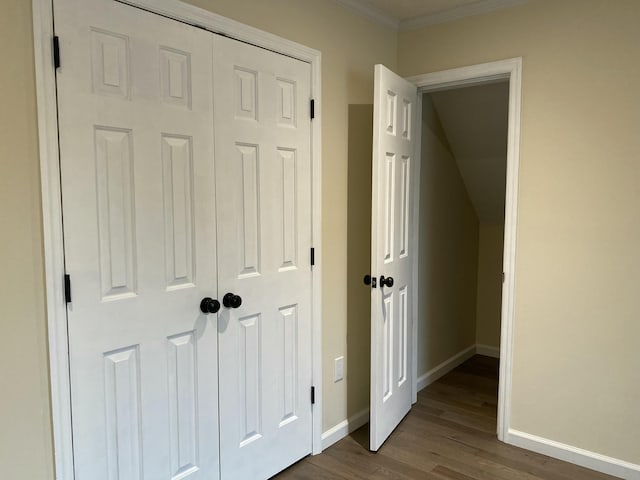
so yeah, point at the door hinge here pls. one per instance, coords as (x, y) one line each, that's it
(67, 288)
(313, 256)
(313, 395)
(313, 109)
(56, 52)
(502, 277)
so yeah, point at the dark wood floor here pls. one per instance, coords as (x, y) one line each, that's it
(448, 435)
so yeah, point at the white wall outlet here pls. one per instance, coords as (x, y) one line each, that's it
(339, 369)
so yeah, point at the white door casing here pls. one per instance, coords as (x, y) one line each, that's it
(263, 165)
(136, 149)
(392, 255)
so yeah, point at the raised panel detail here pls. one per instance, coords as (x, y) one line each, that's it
(288, 333)
(405, 182)
(116, 223)
(286, 102)
(389, 211)
(249, 247)
(122, 411)
(392, 108)
(110, 63)
(406, 119)
(250, 379)
(403, 324)
(289, 201)
(177, 175)
(183, 414)
(387, 346)
(246, 93)
(175, 77)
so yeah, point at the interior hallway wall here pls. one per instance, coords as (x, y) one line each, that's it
(448, 268)
(576, 355)
(359, 257)
(489, 303)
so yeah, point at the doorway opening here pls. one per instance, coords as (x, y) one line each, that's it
(509, 73)
(464, 139)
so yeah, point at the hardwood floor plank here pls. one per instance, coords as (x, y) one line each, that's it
(450, 434)
(308, 471)
(452, 474)
(465, 459)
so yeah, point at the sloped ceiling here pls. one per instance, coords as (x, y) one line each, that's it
(475, 121)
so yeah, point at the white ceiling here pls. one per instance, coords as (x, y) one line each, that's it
(406, 9)
(475, 121)
(408, 14)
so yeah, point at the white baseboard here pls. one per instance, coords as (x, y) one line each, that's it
(344, 428)
(487, 350)
(578, 456)
(445, 367)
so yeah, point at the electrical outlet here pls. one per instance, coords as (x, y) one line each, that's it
(339, 369)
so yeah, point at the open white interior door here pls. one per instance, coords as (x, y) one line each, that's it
(392, 258)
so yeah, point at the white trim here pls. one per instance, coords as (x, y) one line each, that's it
(316, 236)
(488, 350)
(575, 455)
(378, 15)
(371, 12)
(458, 13)
(344, 428)
(52, 209)
(445, 367)
(510, 69)
(213, 22)
(52, 235)
(416, 248)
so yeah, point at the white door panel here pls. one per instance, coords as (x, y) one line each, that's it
(262, 141)
(136, 146)
(391, 312)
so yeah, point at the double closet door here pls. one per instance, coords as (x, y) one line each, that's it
(185, 173)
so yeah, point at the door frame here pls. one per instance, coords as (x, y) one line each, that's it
(47, 112)
(511, 70)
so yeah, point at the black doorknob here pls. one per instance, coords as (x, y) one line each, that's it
(367, 279)
(386, 281)
(231, 300)
(209, 305)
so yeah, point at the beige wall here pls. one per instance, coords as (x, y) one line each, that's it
(25, 432)
(489, 303)
(576, 355)
(350, 46)
(358, 367)
(448, 251)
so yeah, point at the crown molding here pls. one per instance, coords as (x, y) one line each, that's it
(479, 7)
(371, 12)
(476, 8)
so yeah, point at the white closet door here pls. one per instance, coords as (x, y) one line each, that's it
(262, 142)
(392, 259)
(136, 146)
